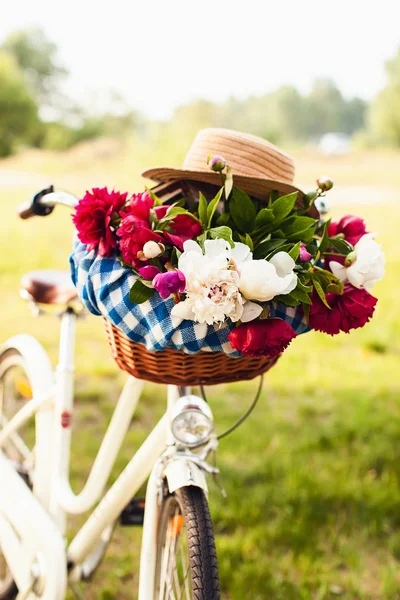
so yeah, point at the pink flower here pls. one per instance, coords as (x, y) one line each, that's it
(148, 272)
(140, 205)
(268, 337)
(304, 254)
(351, 310)
(134, 233)
(169, 283)
(353, 228)
(93, 217)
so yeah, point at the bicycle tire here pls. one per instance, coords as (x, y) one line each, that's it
(9, 359)
(203, 580)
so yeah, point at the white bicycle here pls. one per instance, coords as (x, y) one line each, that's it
(178, 557)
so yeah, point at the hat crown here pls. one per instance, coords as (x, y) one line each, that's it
(246, 154)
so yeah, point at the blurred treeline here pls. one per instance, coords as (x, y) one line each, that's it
(34, 111)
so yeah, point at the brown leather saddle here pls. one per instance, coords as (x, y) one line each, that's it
(49, 287)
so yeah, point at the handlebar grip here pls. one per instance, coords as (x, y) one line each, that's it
(25, 211)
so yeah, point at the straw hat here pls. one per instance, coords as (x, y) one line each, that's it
(258, 166)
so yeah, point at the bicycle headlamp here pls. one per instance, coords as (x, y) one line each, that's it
(191, 421)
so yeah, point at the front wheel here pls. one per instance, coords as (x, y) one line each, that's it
(186, 565)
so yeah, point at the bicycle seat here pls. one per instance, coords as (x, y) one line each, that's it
(49, 287)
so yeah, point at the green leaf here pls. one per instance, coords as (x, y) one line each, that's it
(249, 242)
(228, 182)
(223, 219)
(212, 207)
(242, 210)
(203, 210)
(324, 241)
(264, 217)
(301, 296)
(246, 239)
(263, 249)
(287, 299)
(306, 288)
(306, 235)
(295, 251)
(223, 232)
(140, 292)
(284, 205)
(336, 288)
(201, 239)
(320, 292)
(340, 245)
(294, 224)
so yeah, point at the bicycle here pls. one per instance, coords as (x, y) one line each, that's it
(178, 556)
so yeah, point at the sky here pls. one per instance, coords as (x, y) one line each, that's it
(163, 53)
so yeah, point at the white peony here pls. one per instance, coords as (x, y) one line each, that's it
(263, 280)
(212, 283)
(368, 267)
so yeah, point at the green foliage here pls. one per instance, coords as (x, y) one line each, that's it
(140, 292)
(242, 210)
(36, 56)
(18, 109)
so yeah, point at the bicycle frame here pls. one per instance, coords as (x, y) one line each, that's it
(52, 499)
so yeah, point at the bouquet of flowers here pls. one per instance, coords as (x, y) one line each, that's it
(231, 257)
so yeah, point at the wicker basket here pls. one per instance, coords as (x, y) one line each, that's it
(177, 367)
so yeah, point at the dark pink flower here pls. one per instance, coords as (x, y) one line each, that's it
(352, 227)
(148, 272)
(161, 211)
(134, 233)
(169, 283)
(267, 337)
(140, 205)
(93, 217)
(351, 310)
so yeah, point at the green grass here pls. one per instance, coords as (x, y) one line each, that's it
(313, 477)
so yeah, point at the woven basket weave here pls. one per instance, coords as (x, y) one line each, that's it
(177, 367)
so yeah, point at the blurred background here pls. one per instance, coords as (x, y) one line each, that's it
(93, 94)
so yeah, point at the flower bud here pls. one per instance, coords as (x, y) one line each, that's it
(152, 250)
(350, 258)
(324, 184)
(217, 163)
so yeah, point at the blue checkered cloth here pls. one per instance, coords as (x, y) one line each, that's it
(103, 286)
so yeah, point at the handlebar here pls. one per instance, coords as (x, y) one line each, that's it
(44, 202)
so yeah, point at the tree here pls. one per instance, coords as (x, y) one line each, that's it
(18, 109)
(384, 113)
(37, 57)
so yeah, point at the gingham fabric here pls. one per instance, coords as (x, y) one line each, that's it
(103, 286)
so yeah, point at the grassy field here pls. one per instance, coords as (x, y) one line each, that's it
(313, 477)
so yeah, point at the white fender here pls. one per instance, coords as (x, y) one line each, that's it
(181, 472)
(29, 535)
(40, 373)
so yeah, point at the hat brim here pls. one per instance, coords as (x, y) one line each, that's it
(259, 187)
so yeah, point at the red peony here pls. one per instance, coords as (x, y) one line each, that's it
(134, 233)
(353, 228)
(268, 337)
(93, 217)
(351, 310)
(184, 227)
(140, 205)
